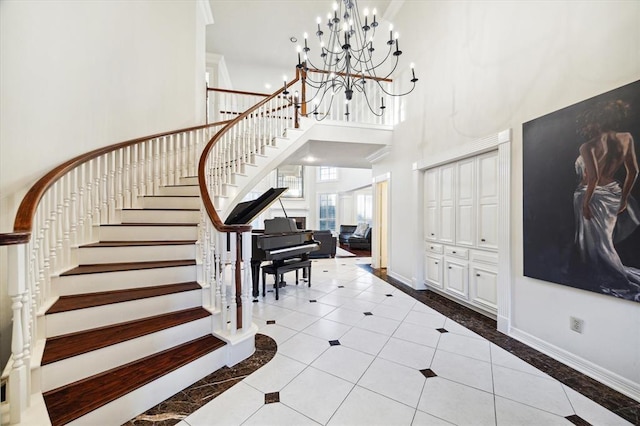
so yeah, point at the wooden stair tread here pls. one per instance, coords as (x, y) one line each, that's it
(149, 224)
(72, 401)
(156, 209)
(139, 243)
(89, 300)
(73, 344)
(170, 196)
(126, 266)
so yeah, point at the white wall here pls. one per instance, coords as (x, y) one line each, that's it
(488, 66)
(77, 75)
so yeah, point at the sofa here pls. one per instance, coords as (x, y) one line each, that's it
(361, 238)
(345, 232)
(327, 244)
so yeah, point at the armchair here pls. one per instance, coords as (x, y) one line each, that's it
(327, 244)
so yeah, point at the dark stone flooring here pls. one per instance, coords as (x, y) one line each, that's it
(187, 401)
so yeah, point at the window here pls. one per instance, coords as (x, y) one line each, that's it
(327, 213)
(364, 208)
(291, 177)
(328, 173)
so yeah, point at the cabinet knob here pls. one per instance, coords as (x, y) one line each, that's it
(477, 275)
(436, 263)
(483, 240)
(433, 233)
(431, 247)
(454, 252)
(449, 267)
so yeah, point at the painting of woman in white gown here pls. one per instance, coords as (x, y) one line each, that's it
(603, 254)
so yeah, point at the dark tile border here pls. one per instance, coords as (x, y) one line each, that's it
(187, 401)
(486, 327)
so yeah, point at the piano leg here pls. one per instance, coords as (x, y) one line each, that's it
(255, 278)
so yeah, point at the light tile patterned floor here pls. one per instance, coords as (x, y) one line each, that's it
(354, 350)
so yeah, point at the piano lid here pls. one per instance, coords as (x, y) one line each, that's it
(247, 211)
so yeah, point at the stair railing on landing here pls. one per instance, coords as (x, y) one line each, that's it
(59, 212)
(235, 146)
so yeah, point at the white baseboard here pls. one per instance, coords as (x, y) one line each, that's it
(404, 280)
(609, 378)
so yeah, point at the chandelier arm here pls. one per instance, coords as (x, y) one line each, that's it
(369, 105)
(397, 95)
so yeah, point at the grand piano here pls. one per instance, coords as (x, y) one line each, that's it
(280, 242)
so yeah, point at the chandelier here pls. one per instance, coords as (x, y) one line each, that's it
(349, 61)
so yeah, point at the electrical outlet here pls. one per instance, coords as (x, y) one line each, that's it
(576, 324)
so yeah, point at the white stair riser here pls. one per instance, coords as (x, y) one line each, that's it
(191, 180)
(85, 365)
(121, 280)
(170, 202)
(130, 405)
(193, 190)
(148, 233)
(99, 255)
(100, 316)
(160, 216)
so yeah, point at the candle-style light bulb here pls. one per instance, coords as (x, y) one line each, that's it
(306, 48)
(374, 23)
(285, 92)
(413, 73)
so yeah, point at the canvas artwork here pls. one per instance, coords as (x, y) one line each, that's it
(581, 192)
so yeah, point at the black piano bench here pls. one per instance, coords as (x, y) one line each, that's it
(278, 270)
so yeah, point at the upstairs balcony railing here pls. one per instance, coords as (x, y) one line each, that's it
(224, 104)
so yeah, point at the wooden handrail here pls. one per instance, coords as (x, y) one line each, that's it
(23, 224)
(237, 92)
(366, 77)
(204, 193)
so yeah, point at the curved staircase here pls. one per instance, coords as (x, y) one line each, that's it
(126, 287)
(131, 313)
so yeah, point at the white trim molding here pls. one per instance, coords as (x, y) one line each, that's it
(205, 9)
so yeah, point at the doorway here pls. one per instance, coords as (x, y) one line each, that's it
(381, 255)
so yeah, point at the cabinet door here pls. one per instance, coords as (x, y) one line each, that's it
(431, 208)
(447, 204)
(456, 278)
(484, 287)
(487, 234)
(465, 202)
(433, 270)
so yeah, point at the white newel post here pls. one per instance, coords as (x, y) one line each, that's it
(19, 375)
(221, 286)
(233, 312)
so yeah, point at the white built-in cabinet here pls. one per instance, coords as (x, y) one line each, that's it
(461, 234)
